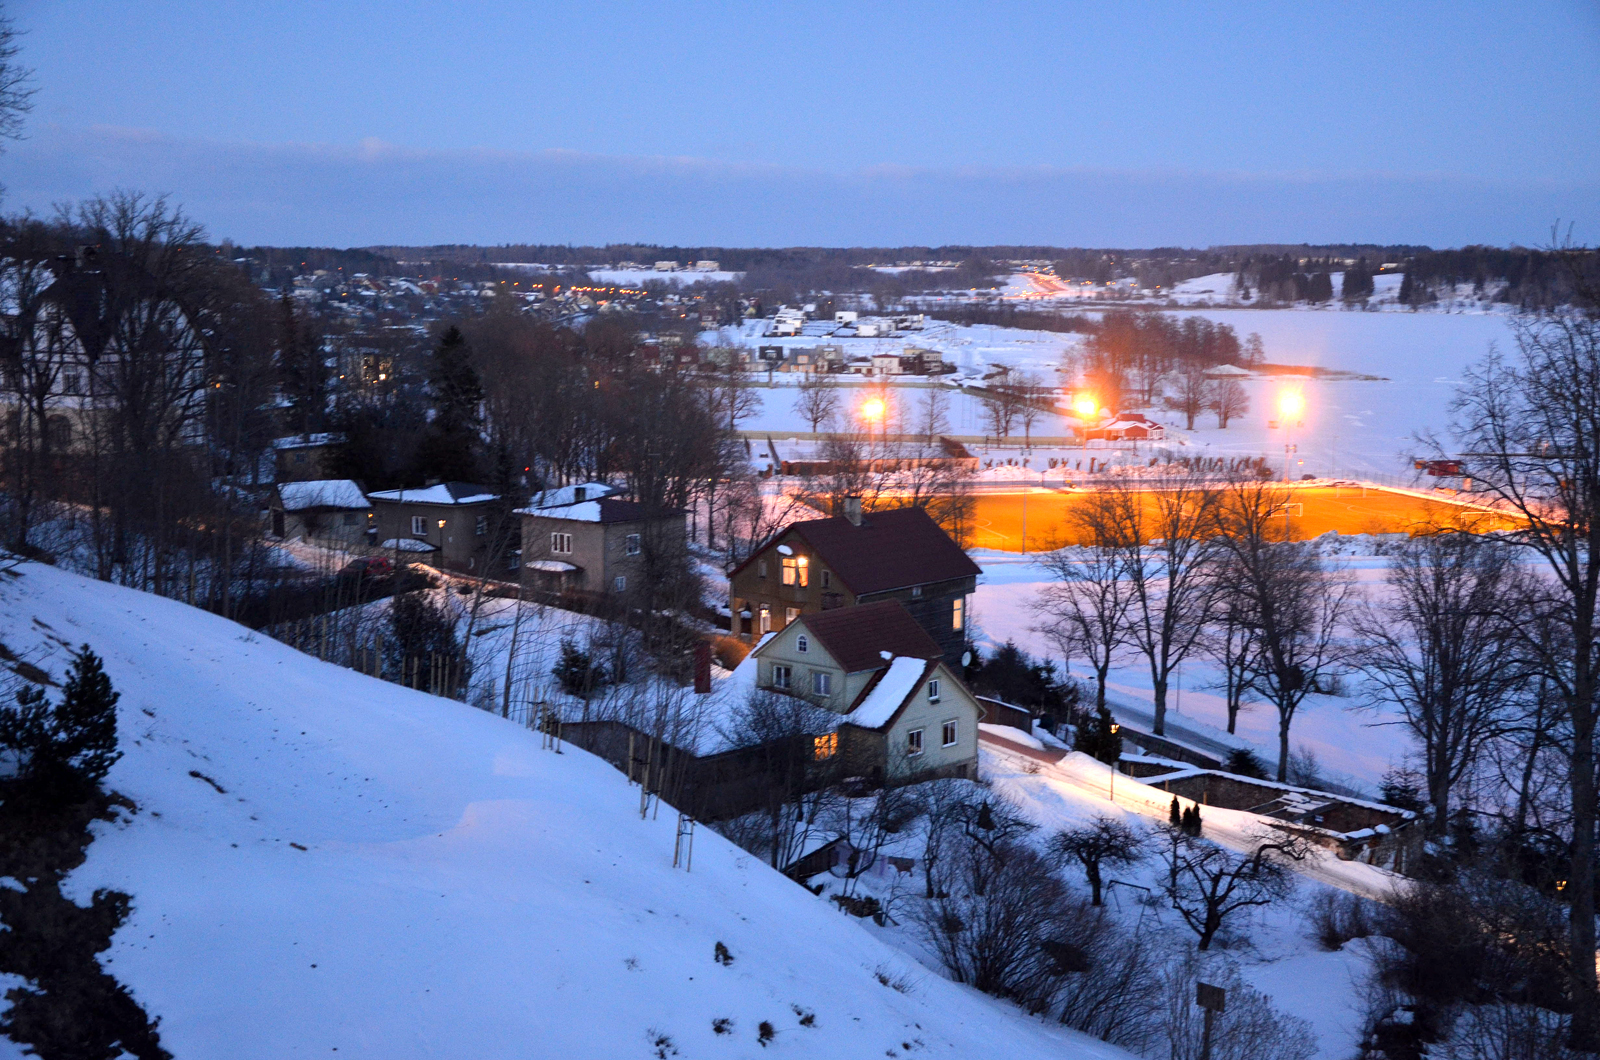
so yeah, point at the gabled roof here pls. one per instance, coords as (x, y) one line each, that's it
(880, 701)
(321, 493)
(577, 493)
(442, 493)
(889, 550)
(858, 637)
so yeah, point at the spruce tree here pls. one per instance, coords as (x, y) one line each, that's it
(86, 719)
(1174, 815)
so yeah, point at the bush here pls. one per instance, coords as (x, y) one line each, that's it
(65, 749)
(577, 672)
(1245, 763)
(1249, 1029)
(1336, 918)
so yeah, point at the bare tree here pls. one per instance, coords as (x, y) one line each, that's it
(1194, 390)
(1031, 395)
(816, 400)
(1532, 428)
(16, 83)
(933, 414)
(1102, 842)
(1209, 884)
(1440, 649)
(1294, 604)
(1165, 530)
(1228, 399)
(1001, 402)
(1085, 608)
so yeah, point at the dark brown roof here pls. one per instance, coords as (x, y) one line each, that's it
(889, 550)
(857, 636)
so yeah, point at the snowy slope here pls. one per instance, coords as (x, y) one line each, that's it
(361, 870)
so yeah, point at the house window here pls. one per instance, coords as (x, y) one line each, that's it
(958, 614)
(827, 579)
(631, 544)
(514, 561)
(481, 527)
(419, 526)
(761, 568)
(824, 746)
(766, 618)
(352, 519)
(933, 690)
(821, 683)
(801, 644)
(795, 571)
(561, 544)
(619, 583)
(913, 743)
(916, 592)
(780, 676)
(790, 614)
(74, 383)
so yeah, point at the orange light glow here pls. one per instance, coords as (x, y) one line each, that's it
(1085, 405)
(872, 409)
(1291, 404)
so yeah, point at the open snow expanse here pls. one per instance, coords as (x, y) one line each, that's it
(325, 864)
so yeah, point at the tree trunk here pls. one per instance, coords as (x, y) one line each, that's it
(1283, 746)
(1159, 684)
(1585, 1010)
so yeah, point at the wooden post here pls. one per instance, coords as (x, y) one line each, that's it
(1214, 1000)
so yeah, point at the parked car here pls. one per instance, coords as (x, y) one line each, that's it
(368, 566)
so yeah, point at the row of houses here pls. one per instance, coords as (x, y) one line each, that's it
(579, 538)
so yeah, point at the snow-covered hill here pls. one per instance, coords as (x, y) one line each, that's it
(323, 864)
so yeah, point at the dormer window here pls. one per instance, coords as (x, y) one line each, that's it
(801, 644)
(933, 690)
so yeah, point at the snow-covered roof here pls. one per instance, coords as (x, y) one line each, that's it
(304, 441)
(891, 690)
(441, 493)
(562, 496)
(408, 544)
(604, 510)
(1227, 370)
(321, 493)
(554, 566)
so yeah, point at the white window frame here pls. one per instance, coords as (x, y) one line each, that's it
(619, 584)
(419, 526)
(802, 644)
(765, 618)
(821, 683)
(790, 614)
(913, 743)
(916, 592)
(950, 732)
(560, 543)
(782, 676)
(630, 544)
(933, 690)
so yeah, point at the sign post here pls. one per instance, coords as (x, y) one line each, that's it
(1214, 1000)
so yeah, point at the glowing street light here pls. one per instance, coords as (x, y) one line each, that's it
(872, 409)
(1291, 403)
(1085, 406)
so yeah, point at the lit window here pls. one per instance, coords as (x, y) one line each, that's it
(933, 690)
(766, 619)
(801, 644)
(825, 746)
(949, 734)
(795, 571)
(958, 613)
(913, 743)
(419, 526)
(780, 677)
(790, 614)
(619, 583)
(561, 544)
(821, 683)
(631, 544)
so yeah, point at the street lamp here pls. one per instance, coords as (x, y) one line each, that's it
(1085, 406)
(1291, 403)
(1115, 728)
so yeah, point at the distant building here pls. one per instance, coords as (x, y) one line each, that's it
(706, 266)
(454, 525)
(592, 544)
(666, 266)
(326, 511)
(1126, 427)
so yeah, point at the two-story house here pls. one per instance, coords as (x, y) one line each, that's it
(593, 544)
(906, 715)
(455, 525)
(852, 559)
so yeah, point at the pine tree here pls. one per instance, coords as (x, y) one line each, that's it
(72, 744)
(1174, 814)
(302, 368)
(1098, 737)
(449, 449)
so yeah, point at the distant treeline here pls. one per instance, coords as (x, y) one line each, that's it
(1009, 316)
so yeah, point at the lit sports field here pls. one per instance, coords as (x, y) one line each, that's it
(1312, 511)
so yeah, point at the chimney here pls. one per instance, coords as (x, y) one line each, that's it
(578, 493)
(852, 510)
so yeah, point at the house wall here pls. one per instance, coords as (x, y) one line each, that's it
(934, 610)
(783, 650)
(304, 463)
(600, 549)
(460, 546)
(955, 703)
(344, 529)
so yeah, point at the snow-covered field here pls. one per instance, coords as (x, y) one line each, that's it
(1349, 426)
(324, 864)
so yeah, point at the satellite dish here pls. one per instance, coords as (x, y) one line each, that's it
(966, 658)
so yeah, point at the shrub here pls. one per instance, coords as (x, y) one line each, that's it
(1336, 918)
(1245, 763)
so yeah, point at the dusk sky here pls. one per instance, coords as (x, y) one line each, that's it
(823, 123)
